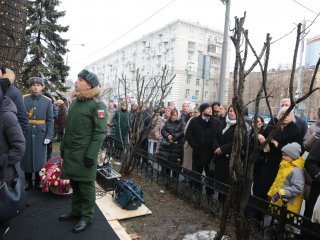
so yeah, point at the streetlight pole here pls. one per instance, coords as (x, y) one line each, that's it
(222, 80)
(67, 58)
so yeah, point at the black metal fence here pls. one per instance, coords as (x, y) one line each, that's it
(185, 183)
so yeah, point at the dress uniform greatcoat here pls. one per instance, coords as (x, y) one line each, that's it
(40, 127)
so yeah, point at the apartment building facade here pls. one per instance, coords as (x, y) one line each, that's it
(312, 51)
(192, 52)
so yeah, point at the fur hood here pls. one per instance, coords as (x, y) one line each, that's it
(88, 94)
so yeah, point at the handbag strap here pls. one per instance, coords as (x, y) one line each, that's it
(4, 170)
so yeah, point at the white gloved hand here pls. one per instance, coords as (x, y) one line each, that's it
(47, 141)
(316, 212)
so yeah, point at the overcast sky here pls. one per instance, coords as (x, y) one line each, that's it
(98, 23)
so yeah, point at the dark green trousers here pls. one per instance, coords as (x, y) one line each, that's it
(83, 200)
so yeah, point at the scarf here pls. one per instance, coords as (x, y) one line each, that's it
(206, 119)
(229, 124)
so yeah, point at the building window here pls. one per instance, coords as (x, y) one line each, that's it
(207, 82)
(197, 93)
(187, 92)
(190, 56)
(205, 94)
(214, 60)
(188, 79)
(211, 48)
(197, 82)
(200, 36)
(191, 46)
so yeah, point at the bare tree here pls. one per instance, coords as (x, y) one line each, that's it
(241, 169)
(148, 91)
(107, 93)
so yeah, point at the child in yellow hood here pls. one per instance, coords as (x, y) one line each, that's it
(290, 180)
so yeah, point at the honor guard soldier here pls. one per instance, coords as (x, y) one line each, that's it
(85, 132)
(38, 133)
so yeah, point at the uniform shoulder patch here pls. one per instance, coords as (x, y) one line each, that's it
(101, 114)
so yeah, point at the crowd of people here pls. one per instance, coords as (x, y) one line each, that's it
(196, 137)
(192, 137)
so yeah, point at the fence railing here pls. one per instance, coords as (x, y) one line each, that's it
(185, 183)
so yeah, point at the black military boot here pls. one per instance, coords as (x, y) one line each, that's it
(28, 181)
(37, 183)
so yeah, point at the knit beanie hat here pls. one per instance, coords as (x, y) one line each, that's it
(90, 78)
(9, 74)
(292, 149)
(204, 106)
(36, 80)
(216, 103)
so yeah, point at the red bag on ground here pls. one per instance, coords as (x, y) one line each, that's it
(50, 177)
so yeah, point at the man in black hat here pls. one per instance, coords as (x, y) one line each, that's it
(203, 135)
(38, 133)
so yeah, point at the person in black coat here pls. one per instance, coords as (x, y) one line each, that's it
(203, 135)
(287, 133)
(171, 147)
(312, 166)
(300, 122)
(216, 108)
(223, 152)
(256, 185)
(12, 145)
(6, 81)
(261, 158)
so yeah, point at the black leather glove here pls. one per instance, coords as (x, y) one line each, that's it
(88, 162)
(62, 154)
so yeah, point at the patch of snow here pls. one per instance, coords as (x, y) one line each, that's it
(202, 235)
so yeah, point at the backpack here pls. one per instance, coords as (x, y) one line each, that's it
(127, 195)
